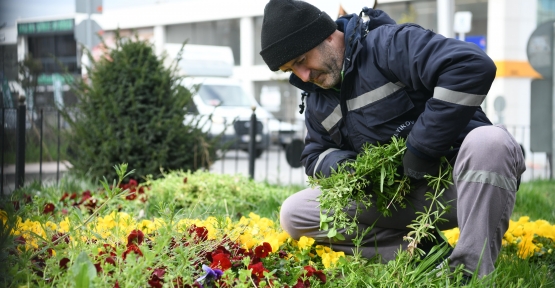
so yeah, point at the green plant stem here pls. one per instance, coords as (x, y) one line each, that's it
(93, 215)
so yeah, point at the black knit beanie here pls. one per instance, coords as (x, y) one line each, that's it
(291, 28)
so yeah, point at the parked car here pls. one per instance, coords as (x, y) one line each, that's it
(227, 109)
(221, 101)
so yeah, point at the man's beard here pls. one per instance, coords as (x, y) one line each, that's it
(332, 67)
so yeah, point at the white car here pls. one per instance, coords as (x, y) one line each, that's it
(226, 110)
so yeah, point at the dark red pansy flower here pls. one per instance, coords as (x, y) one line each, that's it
(257, 269)
(302, 284)
(220, 249)
(59, 235)
(220, 261)
(185, 180)
(132, 182)
(155, 279)
(310, 271)
(263, 250)
(91, 204)
(38, 265)
(98, 267)
(85, 196)
(132, 249)
(74, 195)
(20, 240)
(48, 208)
(247, 253)
(135, 237)
(282, 254)
(159, 272)
(64, 196)
(111, 260)
(111, 251)
(198, 233)
(117, 284)
(131, 196)
(63, 263)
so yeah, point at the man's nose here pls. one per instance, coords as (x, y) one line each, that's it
(303, 73)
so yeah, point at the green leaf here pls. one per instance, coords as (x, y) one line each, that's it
(339, 237)
(83, 271)
(332, 233)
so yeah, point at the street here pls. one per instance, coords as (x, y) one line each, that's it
(271, 167)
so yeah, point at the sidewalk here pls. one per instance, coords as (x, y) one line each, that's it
(47, 172)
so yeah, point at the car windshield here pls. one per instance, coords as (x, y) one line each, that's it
(223, 95)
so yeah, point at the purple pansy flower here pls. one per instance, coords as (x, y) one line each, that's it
(210, 276)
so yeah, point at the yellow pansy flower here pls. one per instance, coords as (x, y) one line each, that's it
(305, 242)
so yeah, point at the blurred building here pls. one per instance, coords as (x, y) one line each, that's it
(500, 27)
(49, 40)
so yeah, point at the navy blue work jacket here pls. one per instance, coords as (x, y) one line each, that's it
(399, 80)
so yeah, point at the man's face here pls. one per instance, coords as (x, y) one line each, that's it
(321, 65)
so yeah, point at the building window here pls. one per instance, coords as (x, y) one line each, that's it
(217, 33)
(52, 49)
(546, 11)
(257, 41)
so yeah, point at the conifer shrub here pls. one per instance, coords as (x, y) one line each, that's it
(131, 109)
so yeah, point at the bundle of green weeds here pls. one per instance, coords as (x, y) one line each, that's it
(372, 179)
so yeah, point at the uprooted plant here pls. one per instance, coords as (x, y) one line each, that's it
(373, 179)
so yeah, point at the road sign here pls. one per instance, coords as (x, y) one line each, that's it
(45, 27)
(539, 49)
(541, 103)
(462, 22)
(81, 33)
(93, 7)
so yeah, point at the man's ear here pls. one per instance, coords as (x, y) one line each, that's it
(335, 36)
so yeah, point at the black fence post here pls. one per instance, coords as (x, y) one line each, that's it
(2, 153)
(252, 142)
(20, 144)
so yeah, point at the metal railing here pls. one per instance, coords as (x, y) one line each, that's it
(32, 150)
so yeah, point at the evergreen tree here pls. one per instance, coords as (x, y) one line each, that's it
(131, 109)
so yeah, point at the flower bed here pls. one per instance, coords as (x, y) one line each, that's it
(219, 251)
(526, 238)
(105, 238)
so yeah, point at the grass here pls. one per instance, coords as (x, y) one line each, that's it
(33, 151)
(205, 194)
(536, 199)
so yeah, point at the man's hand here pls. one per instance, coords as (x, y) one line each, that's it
(416, 167)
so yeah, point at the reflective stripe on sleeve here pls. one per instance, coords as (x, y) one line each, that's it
(488, 177)
(320, 158)
(459, 98)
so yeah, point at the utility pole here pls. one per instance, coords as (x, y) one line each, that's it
(445, 11)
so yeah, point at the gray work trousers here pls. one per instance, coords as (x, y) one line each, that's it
(482, 197)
